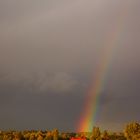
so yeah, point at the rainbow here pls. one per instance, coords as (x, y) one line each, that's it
(89, 114)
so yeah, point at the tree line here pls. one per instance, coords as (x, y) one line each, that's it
(131, 132)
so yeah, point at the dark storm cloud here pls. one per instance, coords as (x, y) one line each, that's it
(49, 55)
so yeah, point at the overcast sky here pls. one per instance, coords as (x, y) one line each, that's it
(49, 53)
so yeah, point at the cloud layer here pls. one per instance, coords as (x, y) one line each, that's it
(49, 56)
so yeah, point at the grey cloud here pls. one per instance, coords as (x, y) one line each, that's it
(49, 47)
(60, 82)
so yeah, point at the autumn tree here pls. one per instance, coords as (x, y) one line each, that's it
(96, 134)
(55, 134)
(132, 130)
(105, 135)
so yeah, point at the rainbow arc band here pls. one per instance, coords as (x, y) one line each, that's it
(89, 116)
